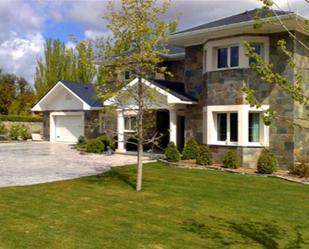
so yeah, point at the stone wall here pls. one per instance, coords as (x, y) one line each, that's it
(195, 85)
(33, 127)
(176, 68)
(92, 124)
(46, 124)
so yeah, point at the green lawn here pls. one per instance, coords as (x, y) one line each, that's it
(178, 208)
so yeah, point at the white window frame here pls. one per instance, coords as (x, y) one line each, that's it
(210, 62)
(210, 125)
(228, 128)
(228, 56)
(130, 123)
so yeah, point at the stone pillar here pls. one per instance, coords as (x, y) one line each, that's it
(173, 126)
(120, 131)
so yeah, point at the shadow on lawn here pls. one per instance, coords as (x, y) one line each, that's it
(112, 175)
(265, 234)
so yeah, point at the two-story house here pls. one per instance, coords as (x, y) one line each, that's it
(205, 100)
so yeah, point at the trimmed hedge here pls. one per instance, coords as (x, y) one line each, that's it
(171, 153)
(231, 160)
(17, 118)
(191, 150)
(267, 162)
(95, 146)
(107, 141)
(204, 157)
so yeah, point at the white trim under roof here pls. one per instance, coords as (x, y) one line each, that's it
(171, 99)
(38, 107)
(197, 37)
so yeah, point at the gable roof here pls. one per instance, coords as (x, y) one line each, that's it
(86, 91)
(175, 88)
(248, 15)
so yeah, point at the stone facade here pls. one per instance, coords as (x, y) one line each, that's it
(46, 124)
(223, 87)
(92, 124)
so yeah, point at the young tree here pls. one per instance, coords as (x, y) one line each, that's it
(295, 88)
(138, 39)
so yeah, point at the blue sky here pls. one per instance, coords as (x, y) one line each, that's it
(25, 24)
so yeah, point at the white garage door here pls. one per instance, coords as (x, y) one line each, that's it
(69, 128)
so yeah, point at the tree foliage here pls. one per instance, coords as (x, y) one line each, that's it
(16, 95)
(62, 63)
(136, 45)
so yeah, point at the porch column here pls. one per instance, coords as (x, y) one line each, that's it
(173, 126)
(120, 131)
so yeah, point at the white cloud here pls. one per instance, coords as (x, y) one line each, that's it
(19, 55)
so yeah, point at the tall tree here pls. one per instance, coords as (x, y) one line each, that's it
(61, 63)
(138, 34)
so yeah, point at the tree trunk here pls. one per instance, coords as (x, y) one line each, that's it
(140, 137)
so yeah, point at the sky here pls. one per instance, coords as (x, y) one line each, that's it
(25, 24)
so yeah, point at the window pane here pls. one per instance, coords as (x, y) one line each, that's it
(222, 57)
(133, 123)
(234, 127)
(221, 126)
(254, 127)
(257, 49)
(126, 75)
(234, 56)
(127, 123)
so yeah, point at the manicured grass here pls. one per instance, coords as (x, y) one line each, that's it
(178, 208)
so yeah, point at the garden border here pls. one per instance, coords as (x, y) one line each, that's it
(208, 167)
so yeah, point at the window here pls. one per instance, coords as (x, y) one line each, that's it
(239, 125)
(126, 75)
(130, 123)
(228, 57)
(257, 49)
(254, 127)
(227, 127)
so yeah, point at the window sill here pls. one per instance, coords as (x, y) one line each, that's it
(249, 145)
(225, 69)
(129, 131)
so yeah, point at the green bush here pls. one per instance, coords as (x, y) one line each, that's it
(17, 118)
(300, 169)
(267, 162)
(204, 157)
(191, 150)
(171, 153)
(81, 140)
(3, 130)
(231, 160)
(107, 141)
(95, 146)
(24, 132)
(14, 132)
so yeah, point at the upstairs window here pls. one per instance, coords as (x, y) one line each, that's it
(257, 49)
(228, 57)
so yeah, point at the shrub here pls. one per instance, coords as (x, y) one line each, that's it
(3, 130)
(301, 168)
(231, 160)
(191, 150)
(204, 157)
(17, 118)
(95, 146)
(24, 133)
(267, 162)
(81, 140)
(107, 141)
(14, 132)
(171, 153)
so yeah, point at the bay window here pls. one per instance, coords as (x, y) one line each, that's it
(257, 48)
(232, 125)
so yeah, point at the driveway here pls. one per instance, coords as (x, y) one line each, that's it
(30, 163)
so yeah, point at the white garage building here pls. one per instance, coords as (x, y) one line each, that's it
(70, 110)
